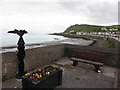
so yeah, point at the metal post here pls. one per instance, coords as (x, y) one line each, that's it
(21, 52)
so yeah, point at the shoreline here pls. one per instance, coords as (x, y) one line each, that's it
(71, 35)
(73, 41)
(94, 41)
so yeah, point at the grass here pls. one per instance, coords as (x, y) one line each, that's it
(108, 44)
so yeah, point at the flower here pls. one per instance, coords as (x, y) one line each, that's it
(40, 73)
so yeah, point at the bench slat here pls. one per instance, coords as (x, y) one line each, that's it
(88, 55)
(86, 61)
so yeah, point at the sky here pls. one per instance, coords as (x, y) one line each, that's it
(48, 16)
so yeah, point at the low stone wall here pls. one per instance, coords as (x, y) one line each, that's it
(34, 58)
(117, 43)
(117, 80)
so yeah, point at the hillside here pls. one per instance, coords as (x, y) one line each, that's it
(88, 28)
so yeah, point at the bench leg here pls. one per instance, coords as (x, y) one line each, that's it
(97, 68)
(75, 63)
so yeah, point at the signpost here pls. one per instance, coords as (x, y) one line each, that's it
(21, 52)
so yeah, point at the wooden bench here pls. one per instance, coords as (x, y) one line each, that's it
(90, 57)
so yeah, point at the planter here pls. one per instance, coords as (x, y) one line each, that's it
(47, 77)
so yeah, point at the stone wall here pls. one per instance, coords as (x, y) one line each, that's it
(34, 58)
(111, 55)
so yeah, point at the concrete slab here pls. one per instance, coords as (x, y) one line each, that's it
(109, 71)
(106, 70)
(81, 78)
(12, 83)
(64, 61)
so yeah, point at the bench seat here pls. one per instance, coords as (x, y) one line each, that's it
(86, 61)
(90, 57)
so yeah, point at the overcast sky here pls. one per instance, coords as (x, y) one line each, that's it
(56, 15)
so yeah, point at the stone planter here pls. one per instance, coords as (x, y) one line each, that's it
(51, 77)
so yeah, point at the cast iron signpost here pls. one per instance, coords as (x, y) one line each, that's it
(21, 52)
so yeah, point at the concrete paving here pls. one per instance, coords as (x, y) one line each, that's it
(81, 76)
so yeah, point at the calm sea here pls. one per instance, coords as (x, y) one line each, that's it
(9, 40)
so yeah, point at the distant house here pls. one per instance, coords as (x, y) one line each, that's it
(99, 33)
(113, 29)
(104, 29)
(72, 32)
(80, 33)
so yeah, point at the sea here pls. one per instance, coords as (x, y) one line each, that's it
(9, 41)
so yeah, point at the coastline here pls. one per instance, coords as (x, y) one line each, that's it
(73, 41)
(96, 39)
(71, 35)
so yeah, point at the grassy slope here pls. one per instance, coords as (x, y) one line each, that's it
(87, 28)
(108, 44)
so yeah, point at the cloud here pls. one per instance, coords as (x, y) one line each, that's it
(73, 7)
(98, 12)
(119, 12)
(26, 8)
(57, 14)
(102, 13)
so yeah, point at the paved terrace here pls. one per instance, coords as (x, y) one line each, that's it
(81, 76)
